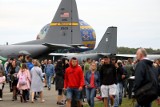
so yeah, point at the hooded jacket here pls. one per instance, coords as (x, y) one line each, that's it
(142, 75)
(74, 77)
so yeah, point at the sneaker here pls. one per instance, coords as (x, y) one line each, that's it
(21, 98)
(99, 97)
(64, 101)
(11, 90)
(35, 98)
(42, 101)
(49, 88)
(60, 103)
(14, 98)
(1, 99)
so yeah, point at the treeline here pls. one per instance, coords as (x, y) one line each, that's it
(126, 50)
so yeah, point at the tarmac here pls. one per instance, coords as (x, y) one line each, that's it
(50, 97)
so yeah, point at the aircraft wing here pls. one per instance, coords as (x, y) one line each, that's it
(51, 45)
(75, 45)
(64, 46)
(126, 55)
(81, 46)
(62, 54)
(71, 54)
(104, 54)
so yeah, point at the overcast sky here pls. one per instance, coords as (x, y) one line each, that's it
(138, 21)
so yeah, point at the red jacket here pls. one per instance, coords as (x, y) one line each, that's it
(74, 77)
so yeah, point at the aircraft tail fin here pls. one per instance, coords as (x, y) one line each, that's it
(108, 43)
(65, 28)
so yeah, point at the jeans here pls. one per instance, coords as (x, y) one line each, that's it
(28, 93)
(1, 90)
(24, 94)
(1, 93)
(73, 92)
(90, 94)
(118, 97)
(48, 77)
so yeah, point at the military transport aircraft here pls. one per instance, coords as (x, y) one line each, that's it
(107, 46)
(64, 32)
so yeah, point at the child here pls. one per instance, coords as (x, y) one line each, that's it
(24, 82)
(2, 81)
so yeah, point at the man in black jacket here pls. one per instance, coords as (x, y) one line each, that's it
(141, 75)
(108, 81)
(121, 76)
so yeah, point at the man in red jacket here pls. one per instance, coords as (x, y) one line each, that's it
(74, 81)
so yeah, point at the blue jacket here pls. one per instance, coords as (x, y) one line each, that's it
(29, 65)
(96, 78)
(49, 69)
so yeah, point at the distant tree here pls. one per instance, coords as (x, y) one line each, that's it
(127, 50)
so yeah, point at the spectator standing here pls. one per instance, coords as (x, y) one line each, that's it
(92, 83)
(29, 63)
(108, 81)
(59, 81)
(120, 79)
(13, 70)
(87, 65)
(74, 81)
(100, 64)
(49, 71)
(43, 70)
(130, 72)
(19, 61)
(36, 80)
(8, 74)
(24, 79)
(142, 76)
(2, 82)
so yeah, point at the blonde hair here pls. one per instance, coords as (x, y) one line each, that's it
(93, 62)
(36, 62)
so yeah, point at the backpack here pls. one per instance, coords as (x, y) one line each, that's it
(148, 92)
(22, 79)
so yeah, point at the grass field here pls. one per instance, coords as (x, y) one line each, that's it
(126, 103)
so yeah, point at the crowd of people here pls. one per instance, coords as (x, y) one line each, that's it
(106, 79)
